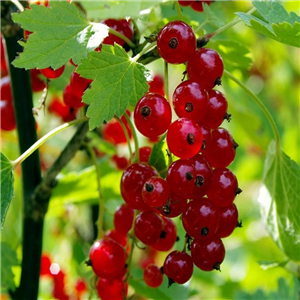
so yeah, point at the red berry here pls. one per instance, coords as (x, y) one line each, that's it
(4, 68)
(123, 219)
(122, 26)
(152, 115)
(190, 100)
(157, 85)
(198, 5)
(153, 276)
(144, 153)
(107, 258)
(132, 182)
(8, 121)
(168, 237)
(181, 177)
(223, 188)
(120, 161)
(208, 254)
(50, 73)
(156, 191)
(112, 289)
(60, 109)
(206, 133)
(70, 98)
(176, 42)
(79, 84)
(184, 138)
(216, 111)
(6, 93)
(228, 220)
(45, 265)
(185, 2)
(200, 218)
(206, 67)
(116, 236)
(221, 152)
(37, 84)
(178, 267)
(148, 227)
(174, 207)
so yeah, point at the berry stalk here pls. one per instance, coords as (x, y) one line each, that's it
(126, 135)
(260, 104)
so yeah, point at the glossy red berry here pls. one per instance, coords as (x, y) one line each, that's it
(121, 162)
(155, 191)
(79, 84)
(153, 276)
(168, 236)
(107, 258)
(184, 138)
(178, 267)
(8, 121)
(216, 110)
(148, 227)
(152, 115)
(122, 26)
(198, 5)
(37, 84)
(208, 254)
(190, 100)
(157, 85)
(144, 153)
(200, 218)
(174, 206)
(109, 289)
(206, 67)
(123, 219)
(223, 188)
(116, 236)
(185, 2)
(6, 93)
(221, 151)
(50, 73)
(206, 133)
(58, 108)
(203, 173)
(176, 42)
(70, 98)
(132, 182)
(228, 220)
(181, 177)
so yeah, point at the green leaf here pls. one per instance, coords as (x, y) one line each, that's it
(7, 185)
(274, 22)
(60, 32)
(8, 259)
(233, 53)
(118, 81)
(158, 156)
(265, 265)
(117, 9)
(280, 201)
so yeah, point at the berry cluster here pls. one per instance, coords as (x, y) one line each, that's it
(198, 186)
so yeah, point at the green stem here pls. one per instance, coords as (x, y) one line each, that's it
(260, 104)
(232, 23)
(123, 37)
(166, 81)
(101, 200)
(200, 26)
(135, 138)
(126, 135)
(42, 140)
(146, 49)
(178, 9)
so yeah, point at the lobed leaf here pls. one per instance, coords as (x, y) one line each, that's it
(7, 185)
(118, 81)
(60, 32)
(280, 201)
(9, 257)
(274, 22)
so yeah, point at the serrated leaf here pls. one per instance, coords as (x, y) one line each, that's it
(60, 32)
(117, 9)
(8, 259)
(118, 81)
(275, 22)
(233, 53)
(158, 157)
(280, 201)
(7, 185)
(211, 17)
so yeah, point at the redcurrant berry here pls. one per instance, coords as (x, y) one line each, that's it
(109, 289)
(184, 138)
(157, 85)
(153, 276)
(228, 220)
(123, 219)
(174, 206)
(79, 84)
(206, 67)
(37, 84)
(152, 115)
(50, 73)
(185, 2)
(8, 121)
(70, 98)
(198, 5)
(176, 42)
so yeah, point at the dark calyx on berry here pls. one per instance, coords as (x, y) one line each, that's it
(227, 117)
(218, 81)
(238, 191)
(189, 176)
(163, 235)
(149, 187)
(235, 144)
(88, 263)
(190, 138)
(170, 282)
(239, 224)
(204, 231)
(173, 43)
(189, 107)
(217, 266)
(199, 181)
(145, 111)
